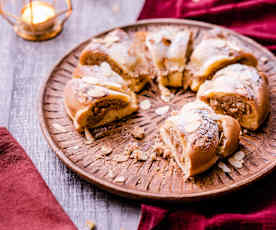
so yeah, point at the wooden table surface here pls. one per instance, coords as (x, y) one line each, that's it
(23, 66)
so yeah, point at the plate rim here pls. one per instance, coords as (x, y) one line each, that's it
(128, 192)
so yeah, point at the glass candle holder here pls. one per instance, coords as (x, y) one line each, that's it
(36, 20)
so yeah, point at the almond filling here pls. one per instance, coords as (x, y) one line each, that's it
(97, 58)
(171, 140)
(100, 109)
(230, 105)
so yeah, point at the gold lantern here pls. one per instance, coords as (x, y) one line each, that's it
(36, 20)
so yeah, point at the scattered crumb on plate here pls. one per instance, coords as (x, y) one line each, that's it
(138, 133)
(158, 148)
(140, 155)
(153, 156)
(130, 148)
(167, 154)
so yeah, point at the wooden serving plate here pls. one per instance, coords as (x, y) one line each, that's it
(160, 179)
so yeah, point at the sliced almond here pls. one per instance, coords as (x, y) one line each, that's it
(106, 150)
(59, 127)
(121, 158)
(239, 156)
(146, 104)
(120, 179)
(224, 167)
(162, 110)
(235, 163)
(89, 138)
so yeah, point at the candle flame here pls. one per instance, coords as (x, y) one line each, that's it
(37, 12)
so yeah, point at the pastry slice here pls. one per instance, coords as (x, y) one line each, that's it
(125, 55)
(197, 137)
(213, 53)
(169, 49)
(90, 105)
(229, 135)
(239, 91)
(101, 75)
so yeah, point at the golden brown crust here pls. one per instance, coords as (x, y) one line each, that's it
(92, 106)
(125, 54)
(197, 137)
(169, 49)
(229, 137)
(212, 54)
(239, 91)
(193, 137)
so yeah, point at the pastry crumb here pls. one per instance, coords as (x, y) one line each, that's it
(91, 225)
(138, 133)
(167, 154)
(140, 155)
(99, 156)
(158, 148)
(153, 156)
(174, 113)
(130, 148)
(145, 104)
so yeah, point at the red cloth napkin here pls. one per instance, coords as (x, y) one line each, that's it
(254, 18)
(253, 208)
(25, 200)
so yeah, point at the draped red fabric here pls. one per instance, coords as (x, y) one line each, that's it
(253, 18)
(25, 200)
(253, 208)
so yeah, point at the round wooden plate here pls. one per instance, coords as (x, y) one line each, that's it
(160, 179)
